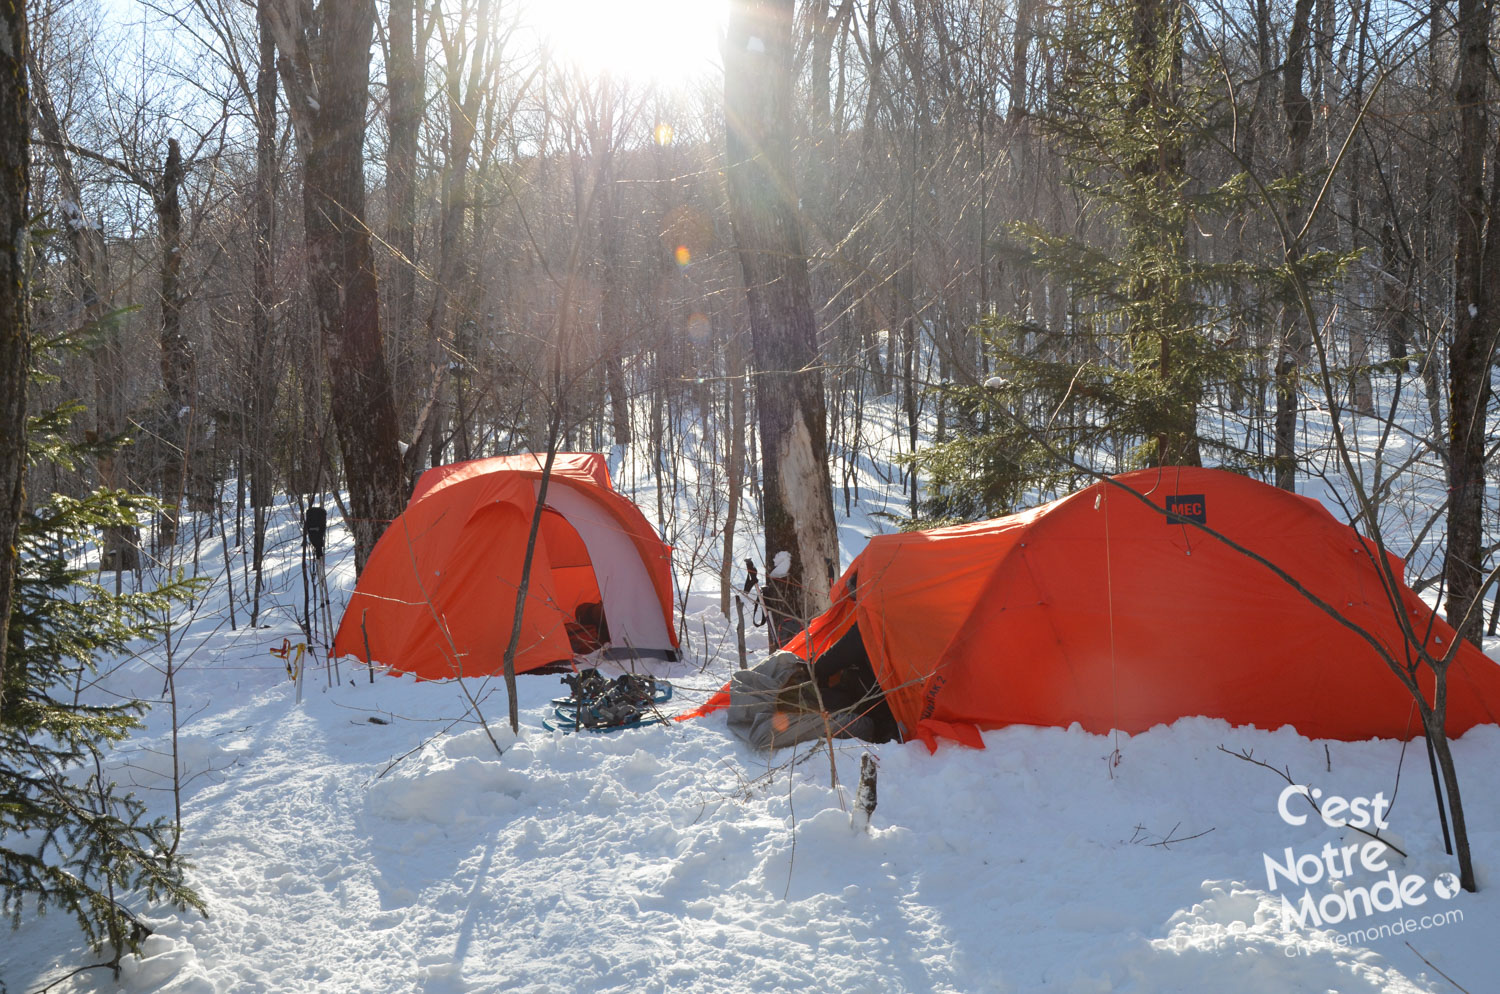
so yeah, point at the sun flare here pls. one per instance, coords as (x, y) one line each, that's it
(668, 42)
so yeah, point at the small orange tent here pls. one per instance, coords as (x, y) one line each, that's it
(437, 598)
(1118, 613)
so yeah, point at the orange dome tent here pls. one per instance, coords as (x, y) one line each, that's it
(1111, 612)
(599, 573)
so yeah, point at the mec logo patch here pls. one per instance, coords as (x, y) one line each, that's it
(1187, 507)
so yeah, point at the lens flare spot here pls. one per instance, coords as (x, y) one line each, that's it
(699, 327)
(684, 257)
(663, 133)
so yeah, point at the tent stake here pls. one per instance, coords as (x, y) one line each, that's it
(369, 659)
(864, 797)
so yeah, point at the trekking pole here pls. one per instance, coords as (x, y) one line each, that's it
(751, 581)
(311, 601)
(328, 617)
(306, 612)
(321, 607)
(314, 530)
(323, 590)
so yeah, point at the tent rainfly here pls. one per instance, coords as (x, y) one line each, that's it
(437, 597)
(1118, 613)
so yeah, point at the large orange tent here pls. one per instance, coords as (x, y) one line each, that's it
(1117, 613)
(437, 598)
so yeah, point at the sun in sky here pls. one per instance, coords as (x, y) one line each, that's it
(668, 42)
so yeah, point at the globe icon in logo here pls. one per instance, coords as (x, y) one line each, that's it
(1445, 886)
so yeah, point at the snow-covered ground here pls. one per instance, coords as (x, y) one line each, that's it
(377, 837)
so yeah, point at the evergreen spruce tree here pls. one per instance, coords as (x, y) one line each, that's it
(69, 840)
(1146, 343)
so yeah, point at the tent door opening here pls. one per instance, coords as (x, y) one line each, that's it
(778, 702)
(575, 586)
(847, 685)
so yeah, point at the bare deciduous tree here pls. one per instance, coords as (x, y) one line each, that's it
(404, 77)
(798, 503)
(1476, 292)
(325, 69)
(89, 258)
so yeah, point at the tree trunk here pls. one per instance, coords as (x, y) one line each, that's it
(1155, 73)
(1293, 340)
(325, 67)
(404, 77)
(1436, 734)
(1361, 385)
(826, 26)
(874, 62)
(1020, 59)
(15, 333)
(798, 502)
(1393, 303)
(119, 546)
(1472, 352)
(463, 107)
(262, 348)
(734, 363)
(612, 308)
(178, 364)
